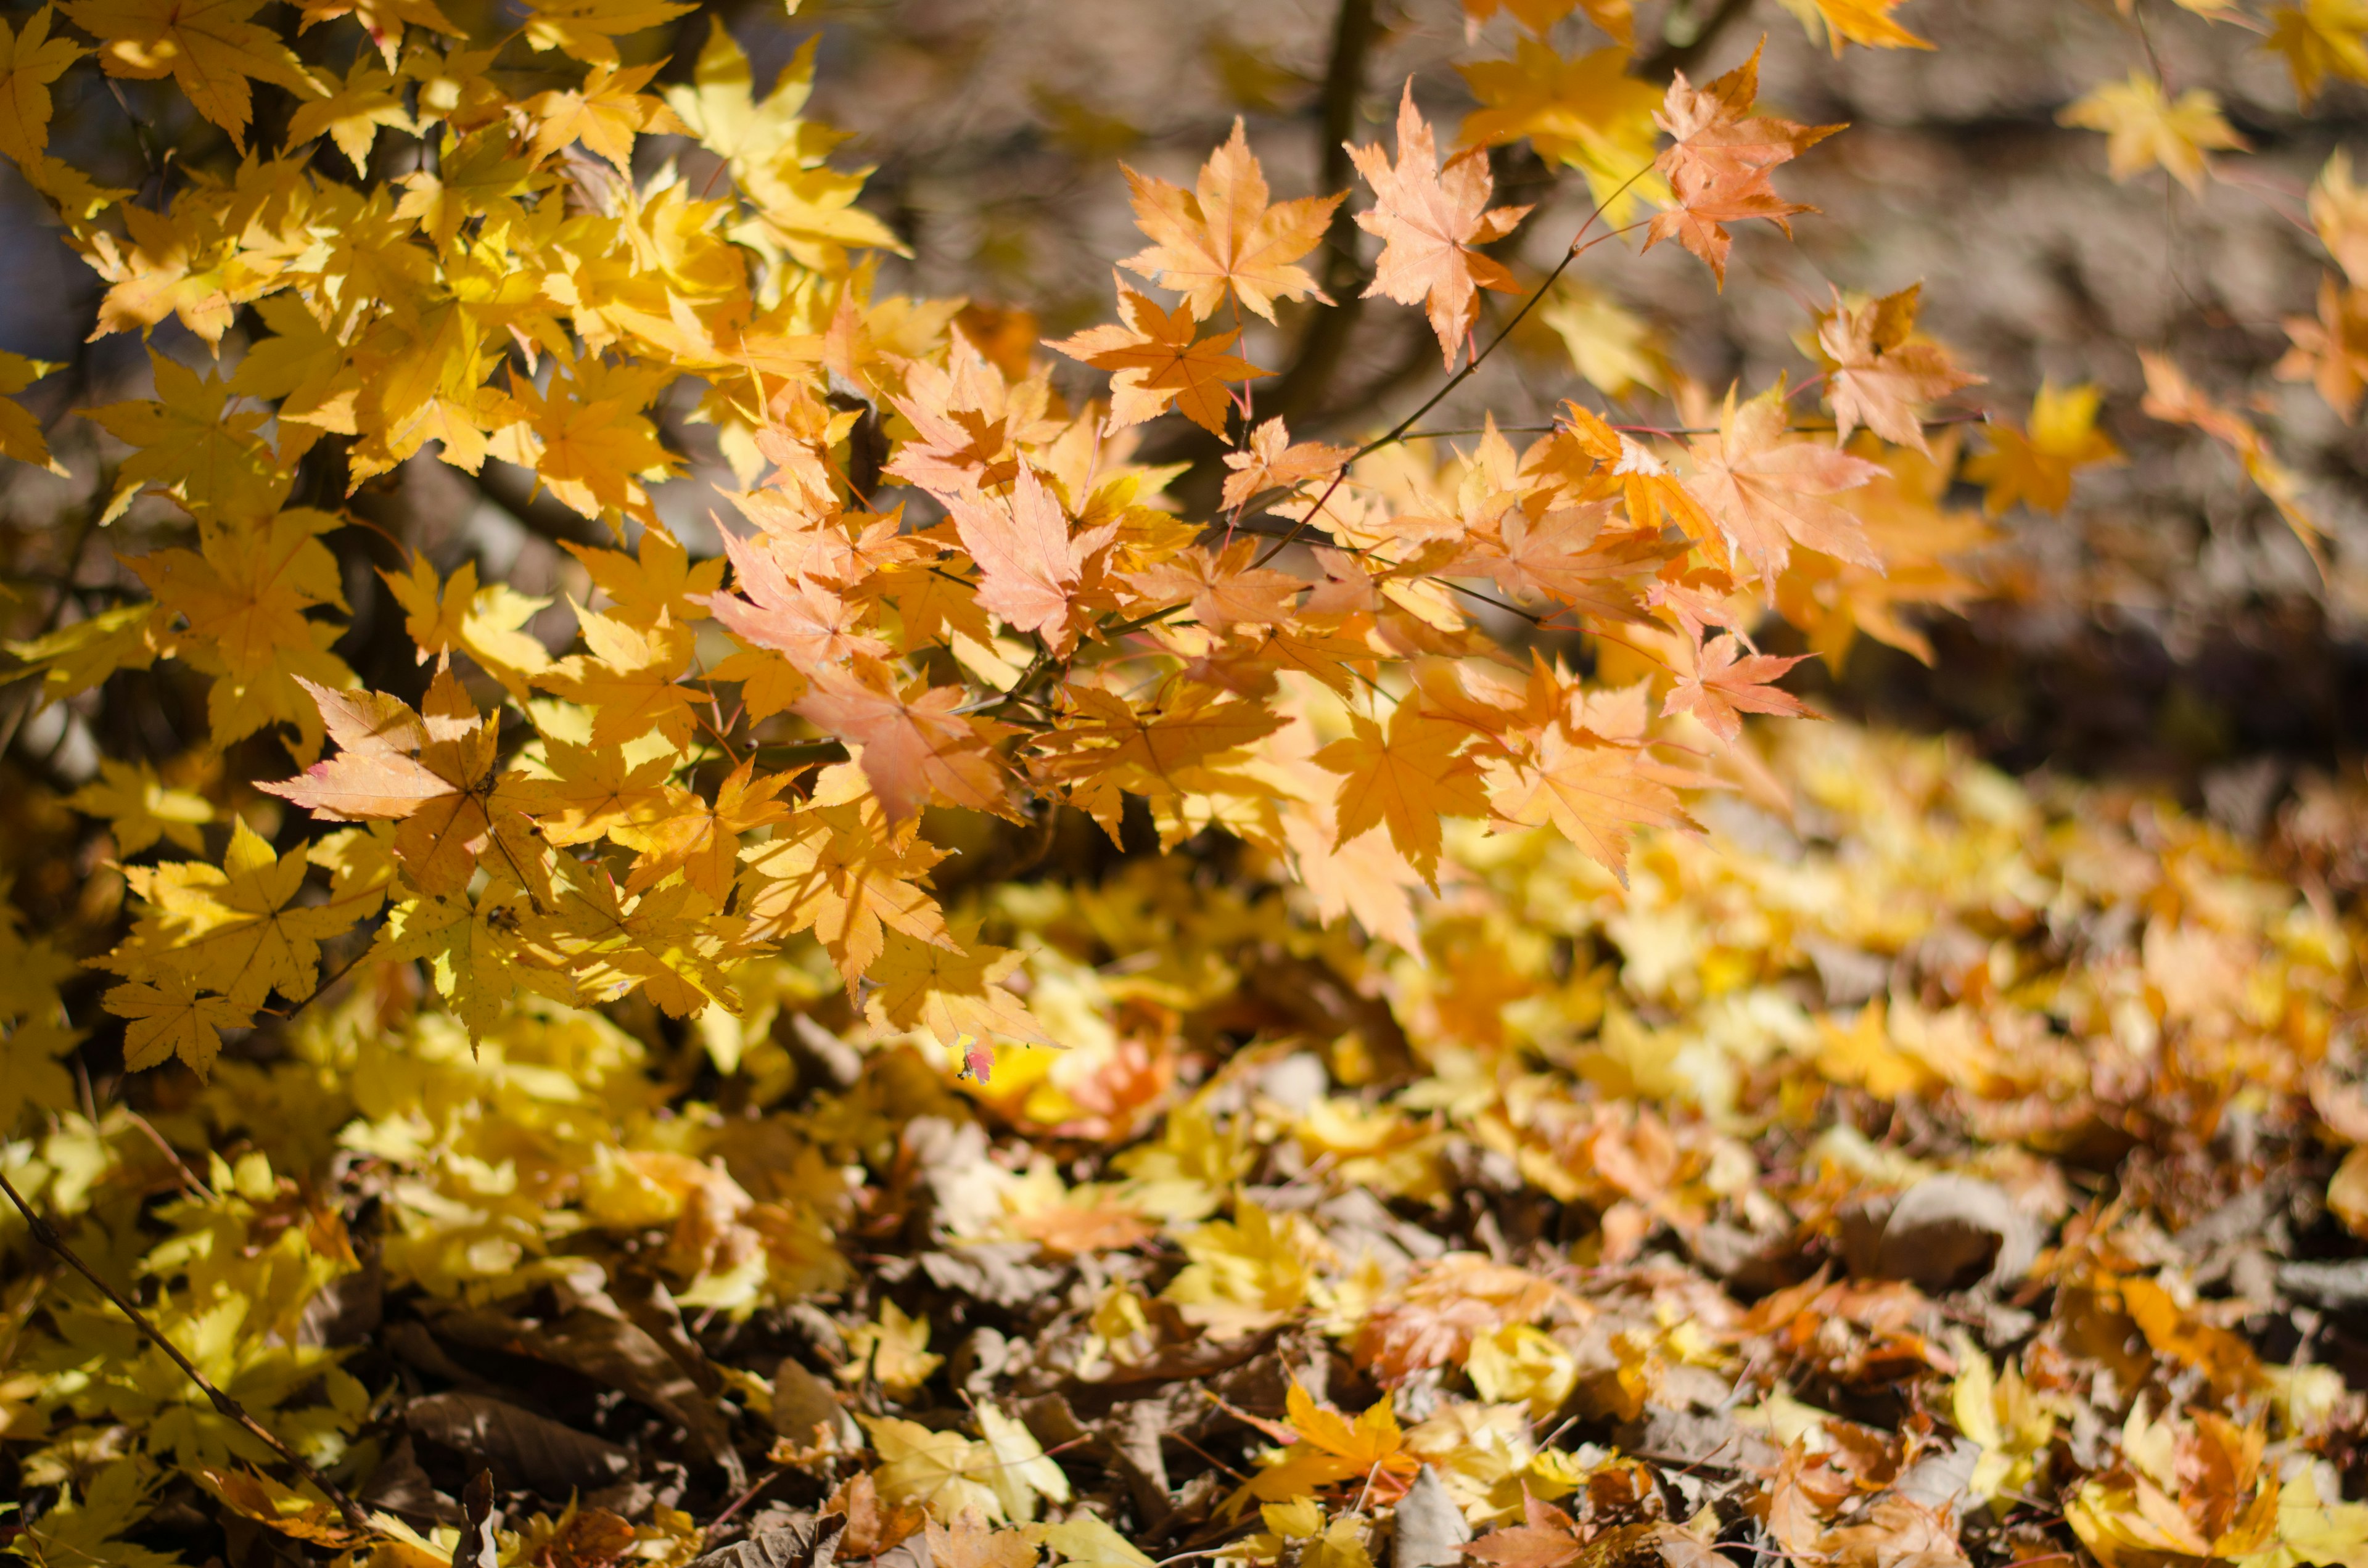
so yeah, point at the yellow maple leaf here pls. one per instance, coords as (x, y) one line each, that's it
(141, 809)
(1867, 22)
(20, 433)
(208, 47)
(237, 928)
(955, 991)
(1583, 112)
(2145, 128)
(589, 29)
(354, 112)
(893, 1352)
(2036, 466)
(29, 61)
(1410, 776)
(2320, 39)
(173, 1017)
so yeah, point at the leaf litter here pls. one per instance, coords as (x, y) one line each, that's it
(1921, 1167)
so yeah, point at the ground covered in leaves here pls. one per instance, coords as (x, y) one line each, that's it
(1922, 1167)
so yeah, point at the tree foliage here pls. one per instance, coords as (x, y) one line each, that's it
(1393, 746)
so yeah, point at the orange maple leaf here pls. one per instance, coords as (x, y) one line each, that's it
(1546, 1538)
(814, 627)
(1223, 235)
(1881, 379)
(1594, 782)
(913, 746)
(1030, 564)
(1721, 688)
(1429, 219)
(1410, 776)
(1271, 462)
(431, 771)
(1768, 493)
(1718, 161)
(1157, 361)
(684, 831)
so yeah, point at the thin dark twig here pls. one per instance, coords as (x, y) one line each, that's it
(47, 1235)
(746, 1497)
(189, 1177)
(1579, 245)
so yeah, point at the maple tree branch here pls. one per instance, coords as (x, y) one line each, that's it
(47, 1235)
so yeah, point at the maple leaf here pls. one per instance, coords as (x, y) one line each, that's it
(1409, 776)
(432, 772)
(604, 114)
(2145, 128)
(244, 597)
(141, 809)
(1725, 684)
(590, 791)
(588, 30)
(1719, 160)
(1880, 376)
(1271, 460)
(173, 1017)
(2331, 351)
(471, 952)
(353, 112)
(1325, 1448)
(1867, 22)
(659, 582)
(236, 928)
(1611, 346)
(816, 627)
(1593, 790)
(631, 676)
(20, 433)
(1563, 554)
(191, 443)
(970, 422)
(913, 747)
(840, 869)
(29, 61)
(2319, 39)
(659, 943)
(1224, 588)
(1030, 563)
(208, 46)
(1157, 359)
(683, 832)
(1431, 218)
(2175, 400)
(2035, 468)
(1585, 111)
(591, 442)
(1223, 237)
(1546, 1538)
(955, 990)
(484, 622)
(1768, 493)
(1105, 746)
